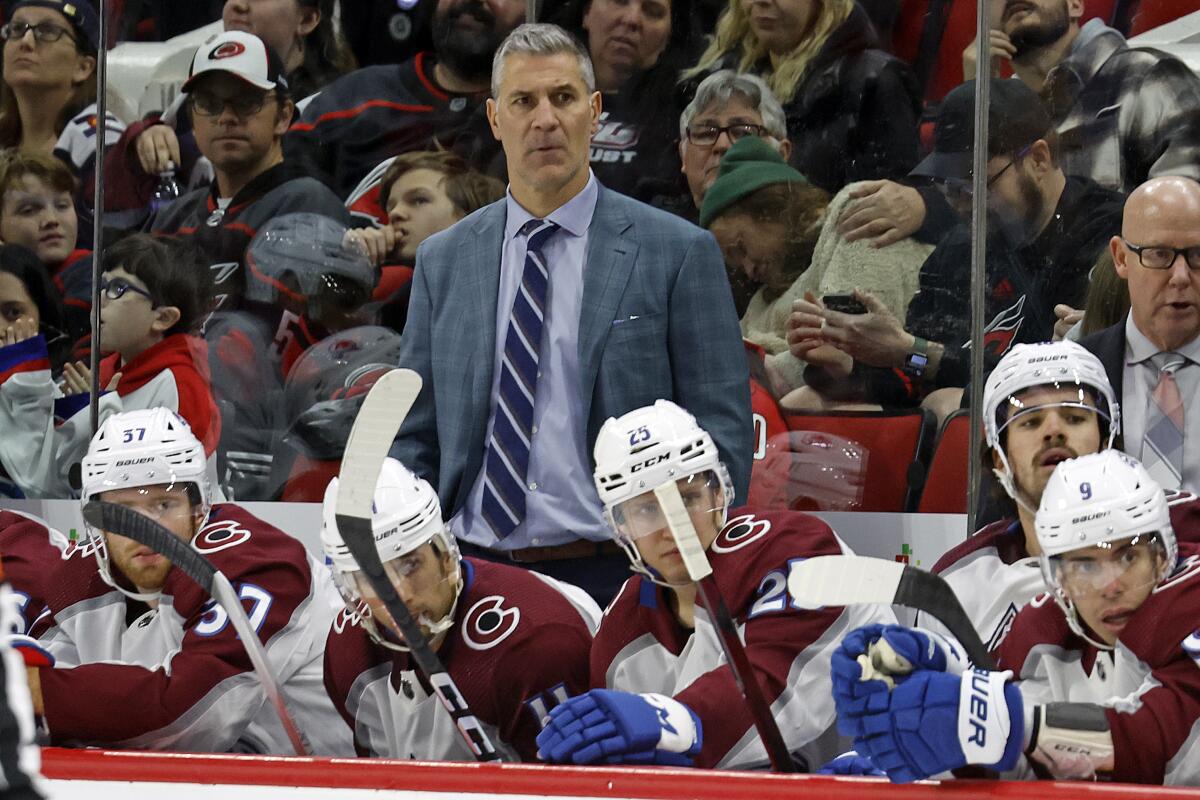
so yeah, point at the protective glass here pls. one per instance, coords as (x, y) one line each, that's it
(1014, 409)
(1125, 564)
(643, 515)
(418, 577)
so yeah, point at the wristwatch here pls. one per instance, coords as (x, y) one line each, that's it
(917, 358)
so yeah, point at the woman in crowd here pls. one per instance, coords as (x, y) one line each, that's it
(852, 109)
(48, 95)
(638, 49)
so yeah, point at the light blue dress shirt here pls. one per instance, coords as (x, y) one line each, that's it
(561, 501)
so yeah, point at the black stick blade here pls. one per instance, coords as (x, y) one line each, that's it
(132, 525)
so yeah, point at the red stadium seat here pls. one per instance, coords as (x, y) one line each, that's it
(852, 460)
(946, 483)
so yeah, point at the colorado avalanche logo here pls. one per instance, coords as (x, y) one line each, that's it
(226, 50)
(488, 623)
(739, 532)
(349, 617)
(219, 536)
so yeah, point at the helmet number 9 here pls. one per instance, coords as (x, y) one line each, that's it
(639, 435)
(128, 435)
(1085, 490)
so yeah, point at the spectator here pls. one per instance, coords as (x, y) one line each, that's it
(1151, 356)
(48, 96)
(852, 109)
(1106, 303)
(37, 212)
(311, 52)
(387, 32)
(430, 100)
(638, 48)
(639, 312)
(727, 106)
(422, 193)
(1045, 232)
(1124, 114)
(240, 110)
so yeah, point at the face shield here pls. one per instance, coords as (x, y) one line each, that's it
(1121, 566)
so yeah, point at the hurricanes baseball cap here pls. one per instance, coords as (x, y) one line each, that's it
(79, 13)
(1016, 119)
(240, 54)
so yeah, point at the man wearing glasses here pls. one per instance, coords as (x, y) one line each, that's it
(240, 108)
(1045, 232)
(1152, 357)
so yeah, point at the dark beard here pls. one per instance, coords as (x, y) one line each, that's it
(1018, 227)
(1039, 35)
(466, 53)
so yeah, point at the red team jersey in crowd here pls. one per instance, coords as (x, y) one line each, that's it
(519, 646)
(641, 646)
(994, 576)
(1149, 683)
(177, 676)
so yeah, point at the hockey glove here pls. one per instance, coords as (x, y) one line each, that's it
(936, 722)
(621, 727)
(31, 650)
(850, 763)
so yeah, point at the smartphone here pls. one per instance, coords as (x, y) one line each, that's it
(845, 303)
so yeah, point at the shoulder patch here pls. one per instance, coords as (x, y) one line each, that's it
(488, 623)
(219, 536)
(739, 532)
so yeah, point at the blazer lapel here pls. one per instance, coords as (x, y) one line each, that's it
(610, 259)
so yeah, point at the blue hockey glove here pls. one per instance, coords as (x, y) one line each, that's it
(936, 721)
(621, 727)
(854, 694)
(850, 764)
(31, 650)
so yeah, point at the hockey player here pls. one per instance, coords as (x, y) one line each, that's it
(515, 642)
(1101, 681)
(1043, 403)
(154, 663)
(663, 692)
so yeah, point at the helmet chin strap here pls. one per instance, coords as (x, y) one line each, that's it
(1010, 487)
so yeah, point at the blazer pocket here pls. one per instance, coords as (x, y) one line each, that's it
(637, 327)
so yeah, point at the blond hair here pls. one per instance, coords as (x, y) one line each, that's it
(734, 33)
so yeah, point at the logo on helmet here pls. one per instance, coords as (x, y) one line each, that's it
(650, 462)
(1090, 517)
(226, 50)
(133, 462)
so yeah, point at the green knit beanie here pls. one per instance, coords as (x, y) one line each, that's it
(745, 168)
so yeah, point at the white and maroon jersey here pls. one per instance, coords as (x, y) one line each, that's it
(1149, 683)
(994, 576)
(518, 647)
(30, 551)
(642, 647)
(176, 677)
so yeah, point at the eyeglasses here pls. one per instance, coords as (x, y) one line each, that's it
(707, 135)
(43, 32)
(1162, 257)
(243, 105)
(964, 186)
(115, 289)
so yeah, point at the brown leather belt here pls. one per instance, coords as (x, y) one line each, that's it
(580, 548)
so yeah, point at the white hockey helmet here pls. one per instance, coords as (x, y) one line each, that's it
(148, 447)
(645, 448)
(405, 515)
(1096, 499)
(1064, 365)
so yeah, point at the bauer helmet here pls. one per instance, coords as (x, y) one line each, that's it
(1065, 365)
(405, 514)
(149, 447)
(1094, 501)
(643, 449)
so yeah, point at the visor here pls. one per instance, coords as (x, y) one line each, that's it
(1123, 565)
(643, 515)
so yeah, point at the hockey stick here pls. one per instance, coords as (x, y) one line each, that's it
(129, 523)
(856, 580)
(378, 421)
(700, 571)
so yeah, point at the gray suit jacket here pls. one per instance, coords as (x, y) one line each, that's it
(658, 321)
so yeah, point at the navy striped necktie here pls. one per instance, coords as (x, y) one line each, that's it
(507, 465)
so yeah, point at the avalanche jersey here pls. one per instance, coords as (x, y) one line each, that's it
(1149, 683)
(176, 677)
(994, 576)
(31, 551)
(641, 646)
(519, 646)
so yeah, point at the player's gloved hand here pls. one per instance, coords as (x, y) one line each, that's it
(621, 727)
(850, 763)
(31, 650)
(936, 722)
(857, 692)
